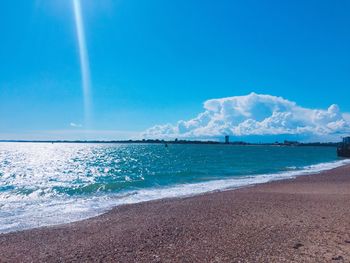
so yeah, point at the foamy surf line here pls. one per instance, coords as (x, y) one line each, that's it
(185, 190)
(60, 211)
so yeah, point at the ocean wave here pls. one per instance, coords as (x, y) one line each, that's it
(184, 190)
(19, 214)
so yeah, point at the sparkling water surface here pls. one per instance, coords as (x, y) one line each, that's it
(44, 184)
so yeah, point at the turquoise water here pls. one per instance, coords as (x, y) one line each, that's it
(45, 184)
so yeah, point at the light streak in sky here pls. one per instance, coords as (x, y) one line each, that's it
(84, 61)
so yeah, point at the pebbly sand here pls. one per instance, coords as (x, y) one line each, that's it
(302, 220)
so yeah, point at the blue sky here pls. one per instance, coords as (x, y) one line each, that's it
(156, 62)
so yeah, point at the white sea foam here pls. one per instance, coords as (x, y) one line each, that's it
(38, 210)
(215, 185)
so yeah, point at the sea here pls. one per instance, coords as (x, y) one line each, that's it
(43, 184)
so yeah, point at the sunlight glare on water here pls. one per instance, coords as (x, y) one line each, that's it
(46, 184)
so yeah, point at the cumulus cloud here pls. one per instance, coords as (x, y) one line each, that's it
(256, 115)
(346, 117)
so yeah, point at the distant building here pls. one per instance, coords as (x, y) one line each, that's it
(227, 139)
(346, 140)
(343, 149)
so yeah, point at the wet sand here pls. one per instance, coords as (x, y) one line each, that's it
(302, 220)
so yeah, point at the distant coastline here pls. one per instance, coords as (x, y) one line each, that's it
(176, 141)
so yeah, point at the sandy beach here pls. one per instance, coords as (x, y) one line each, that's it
(306, 219)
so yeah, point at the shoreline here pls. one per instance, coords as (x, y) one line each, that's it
(187, 190)
(255, 223)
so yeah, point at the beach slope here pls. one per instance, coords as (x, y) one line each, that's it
(302, 220)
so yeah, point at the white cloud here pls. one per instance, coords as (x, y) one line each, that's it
(257, 115)
(346, 117)
(75, 125)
